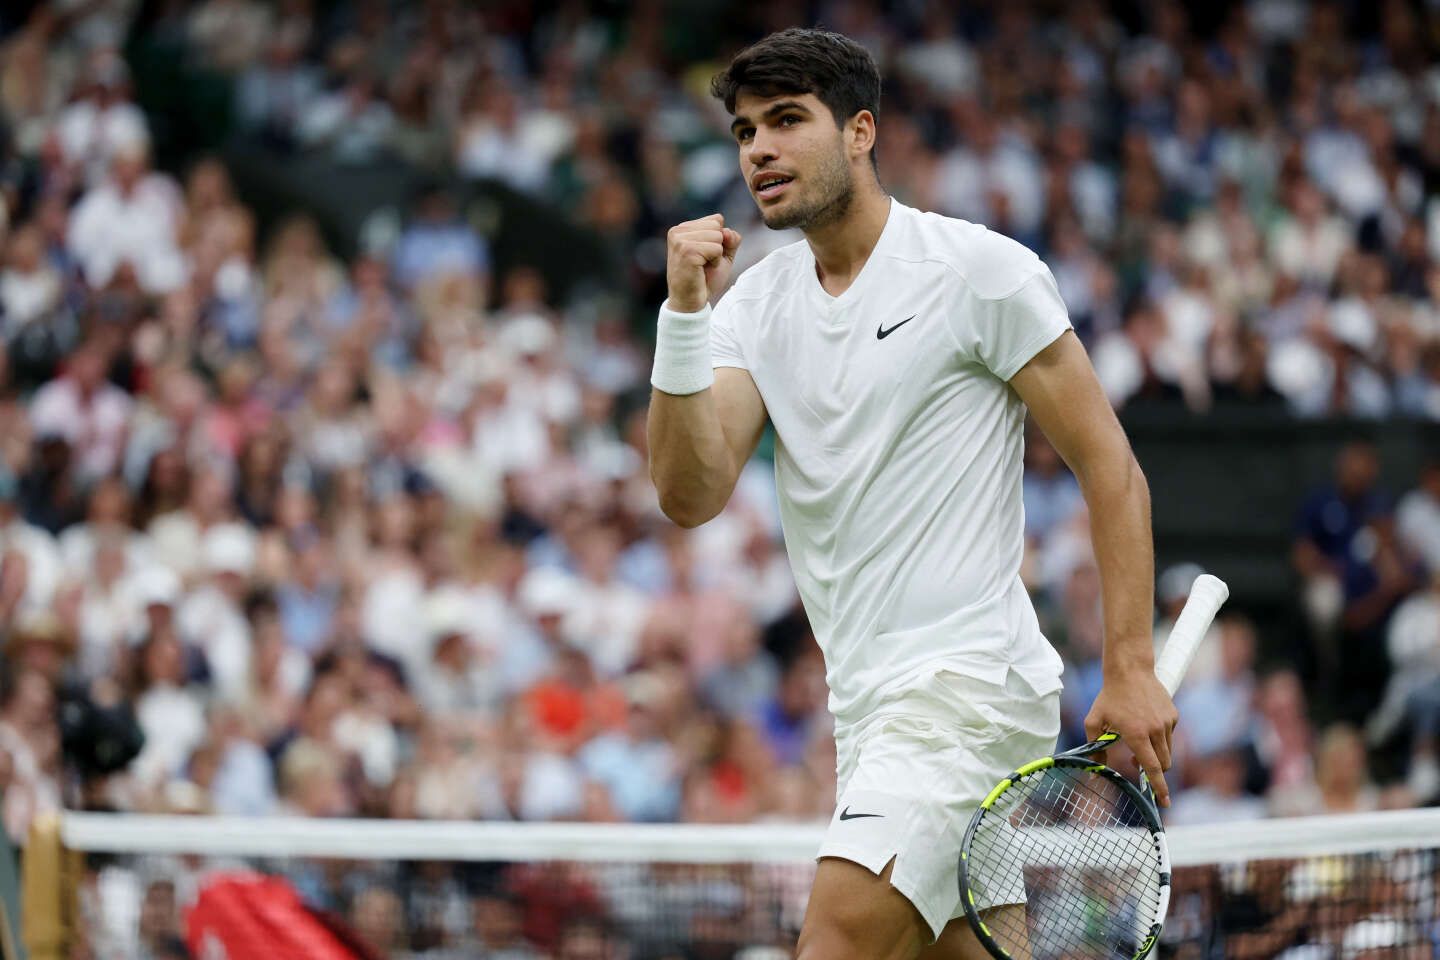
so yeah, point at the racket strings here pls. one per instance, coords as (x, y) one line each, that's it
(1076, 850)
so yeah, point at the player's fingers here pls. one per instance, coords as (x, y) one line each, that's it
(712, 222)
(703, 252)
(1145, 756)
(699, 234)
(1094, 727)
(1160, 742)
(731, 241)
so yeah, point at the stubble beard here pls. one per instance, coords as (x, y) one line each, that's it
(834, 188)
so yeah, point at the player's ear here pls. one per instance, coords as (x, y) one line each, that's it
(861, 133)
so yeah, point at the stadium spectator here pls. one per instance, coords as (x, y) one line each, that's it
(110, 613)
(30, 742)
(1341, 782)
(495, 139)
(211, 620)
(1417, 517)
(1216, 702)
(1050, 491)
(498, 928)
(1283, 736)
(746, 676)
(170, 710)
(437, 244)
(352, 123)
(30, 287)
(273, 89)
(1218, 793)
(124, 231)
(377, 915)
(1411, 704)
(789, 719)
(102, 120)
(636, 763)
(240, 780)
(1329, 522)
(85, 410)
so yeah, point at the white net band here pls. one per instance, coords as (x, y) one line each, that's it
(666, 843)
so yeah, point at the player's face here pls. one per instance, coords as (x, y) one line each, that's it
(794, 160)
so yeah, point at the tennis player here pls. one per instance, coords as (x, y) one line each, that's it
(896, 352)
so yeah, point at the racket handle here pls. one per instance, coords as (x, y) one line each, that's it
(1206, 597)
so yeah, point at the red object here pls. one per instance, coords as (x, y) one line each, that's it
(558, 708)
(247, 916)
(730, 781)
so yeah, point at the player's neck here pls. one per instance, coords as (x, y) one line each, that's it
(841, 248)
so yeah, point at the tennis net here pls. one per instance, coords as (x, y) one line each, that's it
(1359, 887)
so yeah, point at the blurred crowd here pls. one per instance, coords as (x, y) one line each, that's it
(376, 537)
(331, 538)
(1236, 199)
(347, 538)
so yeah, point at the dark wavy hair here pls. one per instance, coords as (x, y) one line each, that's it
(836, 69)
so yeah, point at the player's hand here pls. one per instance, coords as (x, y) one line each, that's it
(698, 259)
(1137, 707)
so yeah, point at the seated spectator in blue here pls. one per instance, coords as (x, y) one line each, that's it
(636, 763)
(1217, 708)
(368, 300)
(788, 720)
(438, 243)
(1333, 515)
(1050, 492)
(1330, 521)
(1218, 794)
(308, 600)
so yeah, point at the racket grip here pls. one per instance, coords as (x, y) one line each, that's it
(1206, 597)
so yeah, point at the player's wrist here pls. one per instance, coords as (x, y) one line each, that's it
(685, 304)
(1128, 664)
(682, 350)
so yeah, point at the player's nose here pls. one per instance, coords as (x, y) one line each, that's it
(761, 150)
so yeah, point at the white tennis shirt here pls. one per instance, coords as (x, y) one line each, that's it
(900, 446)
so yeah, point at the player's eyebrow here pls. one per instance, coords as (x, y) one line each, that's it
(778, 107)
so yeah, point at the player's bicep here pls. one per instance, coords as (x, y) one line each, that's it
(1068, 404)
(741, 410)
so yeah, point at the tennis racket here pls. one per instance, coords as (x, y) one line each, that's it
(1066, 857)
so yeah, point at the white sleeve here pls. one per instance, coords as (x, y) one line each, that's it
(724, 341)
(1004, 334)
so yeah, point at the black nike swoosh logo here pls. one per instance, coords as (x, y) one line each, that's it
(846, 814)
(881, 333)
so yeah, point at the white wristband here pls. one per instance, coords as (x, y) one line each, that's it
(682, 352)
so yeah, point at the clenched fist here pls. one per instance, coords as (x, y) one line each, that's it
(699, 255)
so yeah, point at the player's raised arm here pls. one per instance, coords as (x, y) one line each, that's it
(1066, 400)
(704, 423)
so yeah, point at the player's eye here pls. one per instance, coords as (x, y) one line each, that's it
(744, 134)
(789, 120)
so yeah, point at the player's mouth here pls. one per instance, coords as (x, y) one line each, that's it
(768, 186)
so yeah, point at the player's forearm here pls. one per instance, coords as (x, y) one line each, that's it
(691, 465)
(1119, 502)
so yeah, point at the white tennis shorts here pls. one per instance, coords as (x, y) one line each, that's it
(911, 776)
